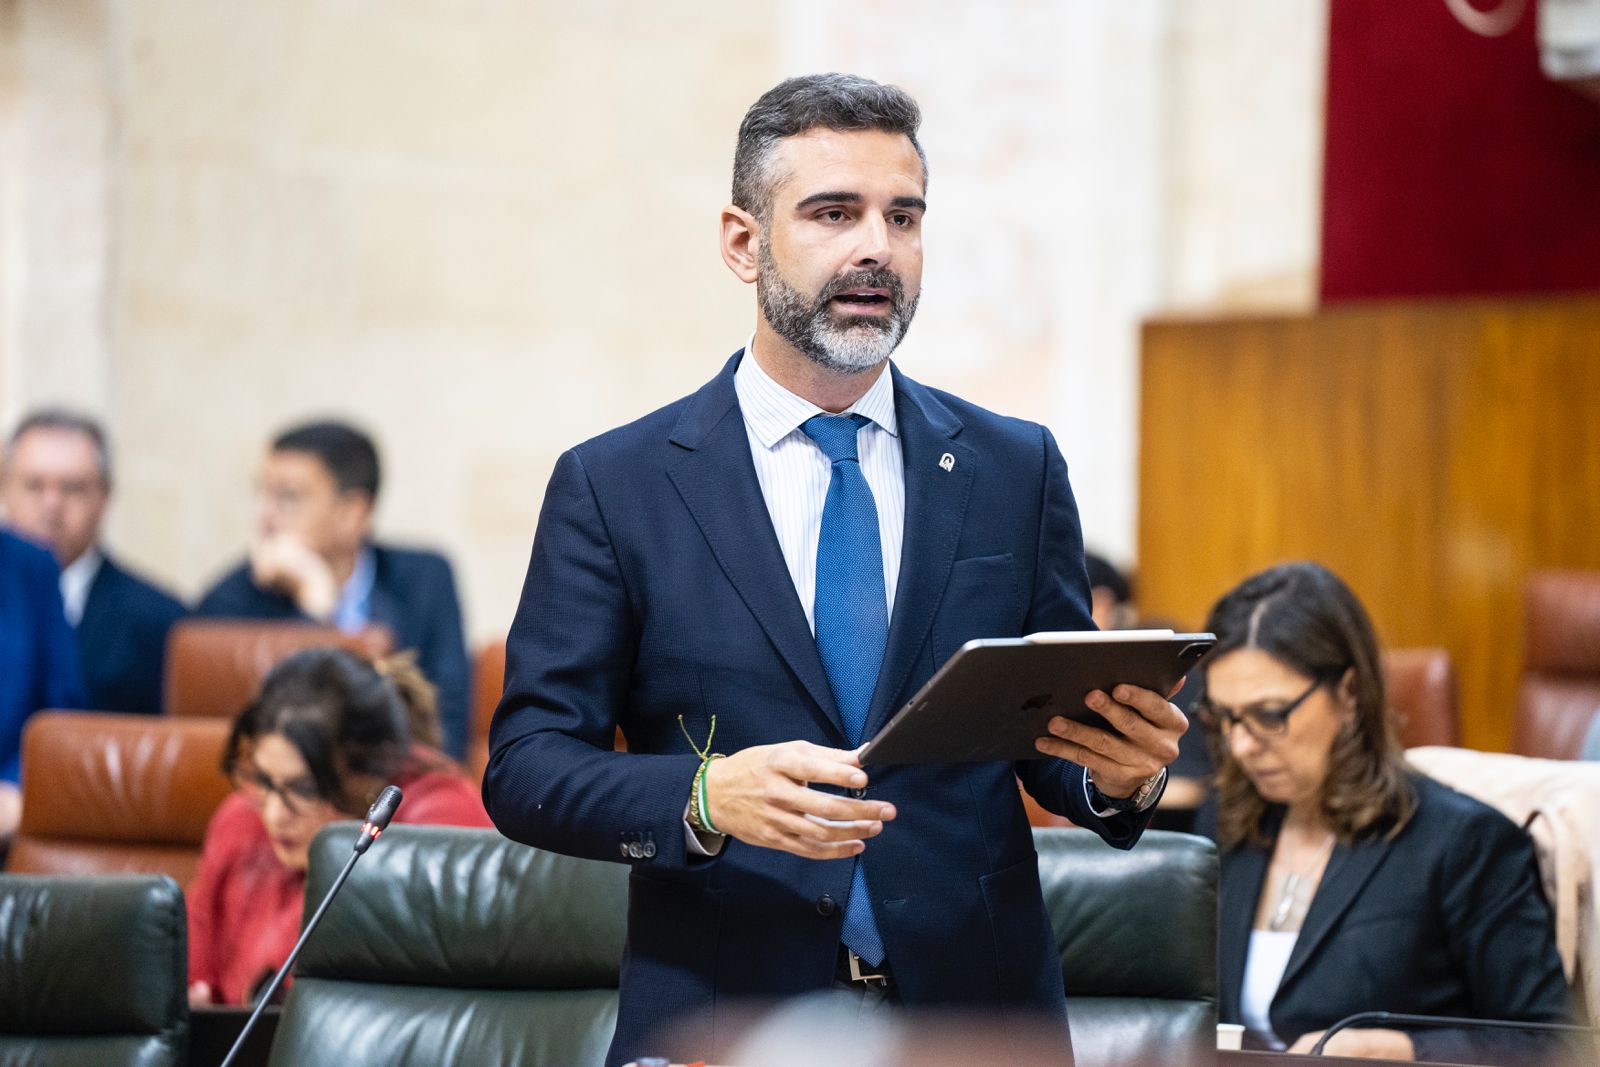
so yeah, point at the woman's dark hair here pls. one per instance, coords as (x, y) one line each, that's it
(1304, 616)
(345, 716)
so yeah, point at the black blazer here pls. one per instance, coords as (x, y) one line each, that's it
(413, 594)
(122, 640)
(1446, 919)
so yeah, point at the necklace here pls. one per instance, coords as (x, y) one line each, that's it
(1289, 894)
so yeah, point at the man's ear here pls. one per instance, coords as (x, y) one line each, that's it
(741, 242)
(356, 509)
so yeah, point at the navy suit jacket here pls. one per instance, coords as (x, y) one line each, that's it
(657, 590)
(1445, 919)
(122, 640)
(413, 594)
(38, 660)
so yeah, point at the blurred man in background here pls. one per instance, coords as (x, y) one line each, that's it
(55, 482)
(313, 559)
(1110, 595)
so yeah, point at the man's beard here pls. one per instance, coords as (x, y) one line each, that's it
(813, 327)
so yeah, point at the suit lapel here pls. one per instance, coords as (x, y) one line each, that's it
(717, 480)
(383, 603)
(936, 505)
(101, 601)
(1238, 894)
(1349, 869)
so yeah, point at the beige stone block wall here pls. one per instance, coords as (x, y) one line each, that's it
(483, 230)
(486, 229)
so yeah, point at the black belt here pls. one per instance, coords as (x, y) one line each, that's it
(853, 970)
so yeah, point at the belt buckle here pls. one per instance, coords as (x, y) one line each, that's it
(857, 975)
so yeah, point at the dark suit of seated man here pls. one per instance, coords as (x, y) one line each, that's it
(56, 483)
(313, 559)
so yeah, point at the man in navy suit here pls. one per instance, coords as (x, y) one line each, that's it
(56, 483)
(769, 568)
(313, 559)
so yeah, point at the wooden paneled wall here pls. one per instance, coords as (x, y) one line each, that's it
(1430, 453)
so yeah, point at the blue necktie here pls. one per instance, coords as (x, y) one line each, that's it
(852, 619)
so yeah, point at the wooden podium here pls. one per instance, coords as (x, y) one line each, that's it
(1431, 453)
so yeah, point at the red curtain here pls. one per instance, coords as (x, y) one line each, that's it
(1453, 166)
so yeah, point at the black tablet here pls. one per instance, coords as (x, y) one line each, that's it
(992, 699)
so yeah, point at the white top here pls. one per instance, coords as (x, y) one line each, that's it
(76, 578)
(794, 472)
(1264, 964)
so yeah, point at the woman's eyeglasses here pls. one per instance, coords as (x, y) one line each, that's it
(299, 796)
(1263, 723)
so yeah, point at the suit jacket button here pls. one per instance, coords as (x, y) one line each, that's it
(826, 905)
(635, 850)
(624, 848)
(859, 794)
(649, 850)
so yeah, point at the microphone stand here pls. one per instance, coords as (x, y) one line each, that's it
(378, 817)
(1362, 1017)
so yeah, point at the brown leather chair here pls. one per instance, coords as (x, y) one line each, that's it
(488, 681)
(107, 793)
(1561, 663)
(215, 665)
(1424, 696)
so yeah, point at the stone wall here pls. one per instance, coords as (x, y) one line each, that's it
(486, 229)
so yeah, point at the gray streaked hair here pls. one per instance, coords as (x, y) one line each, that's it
(814, 101)
(72, 421)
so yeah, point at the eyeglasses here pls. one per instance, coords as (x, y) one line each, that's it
(299, 796)
(1262, 723)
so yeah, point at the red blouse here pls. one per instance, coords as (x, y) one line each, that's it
(244, 906)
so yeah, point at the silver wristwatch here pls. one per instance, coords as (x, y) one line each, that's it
(1144, 797)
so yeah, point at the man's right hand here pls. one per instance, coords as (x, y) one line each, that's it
(761, 796)
(287, 564)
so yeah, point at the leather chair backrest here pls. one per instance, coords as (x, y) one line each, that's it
(1561, 664)
(109, 793)
(214, 666)
(1137, 932)
(488, 680)
(455, 946)
(93, 971)
(1424, 696)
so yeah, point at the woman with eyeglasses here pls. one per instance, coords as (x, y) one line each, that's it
(1349, 882)
(324, 735)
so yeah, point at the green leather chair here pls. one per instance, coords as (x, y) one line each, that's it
(1138, 937)
(456, 947)
(451, 947)
(92, 971)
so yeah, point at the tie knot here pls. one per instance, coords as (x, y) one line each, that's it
(835, 434)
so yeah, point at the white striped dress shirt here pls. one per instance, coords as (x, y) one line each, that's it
(794, 473)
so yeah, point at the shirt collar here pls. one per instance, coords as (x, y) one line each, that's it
(773, 412)
(76, 578)
(354, 609)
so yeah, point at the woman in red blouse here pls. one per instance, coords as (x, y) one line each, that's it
(325, 734)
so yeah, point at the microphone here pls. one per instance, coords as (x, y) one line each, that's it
(1384, 1017)
(378, 817)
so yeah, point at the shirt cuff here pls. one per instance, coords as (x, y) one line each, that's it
(700, 844)
(1106, 813)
